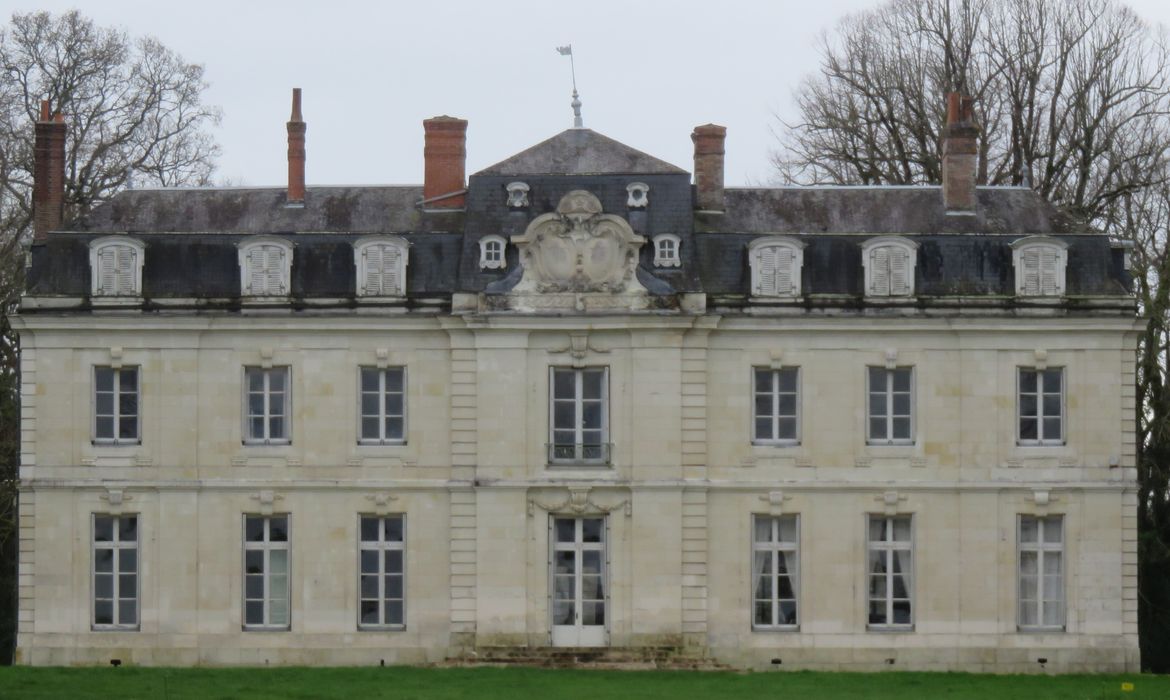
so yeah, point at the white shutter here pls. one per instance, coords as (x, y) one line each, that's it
(256, 276)
(391, 270)
(1030, 261)
(899, 271)
(766, 271)
(784, 272)
(1047, 270)
(372, 254)
(879, 271)
(274, 270)
(124, 270)
(106, 266)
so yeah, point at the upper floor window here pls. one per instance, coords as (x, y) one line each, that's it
(1041, 403)
(265, 264)
(578, 420)
(381, 266)
(889, 264)
(639, 195)
(491, 253)
(776, 262)
(383, 409)
(891, 406)
(115, 398)
(1040, 264)
(775, 408)
(666, 250)
(517, 195)
(115, 264)
(266, 405)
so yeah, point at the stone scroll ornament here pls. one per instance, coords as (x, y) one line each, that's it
(578, 249)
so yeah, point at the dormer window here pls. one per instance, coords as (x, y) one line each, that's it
(491, 253)
(666, 250)
(265, 263)
(1040, 264)
(517, 195)
(889, 264)
(776, 262)
(639, 195)
(115, 264)
(381, 266)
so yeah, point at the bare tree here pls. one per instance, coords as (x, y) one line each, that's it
(135, 116)
(1073, 97)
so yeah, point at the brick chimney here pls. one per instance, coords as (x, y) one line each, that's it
(296, 152)
(445, 160)
(48, 173)
(960, 155)
(709, 140)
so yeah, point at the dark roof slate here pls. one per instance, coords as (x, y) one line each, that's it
(581, 152)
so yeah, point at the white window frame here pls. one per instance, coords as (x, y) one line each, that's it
(774, 547)
(887, 547)
(1030, 255)
(579, 456)
(771, 281)
(124, 283)
(774, 413)
(379, 287)
(880, 280)
(275, 280)
(493, 252)
(517, 195)
(667, 250)
(1044, 551)
(889, 416)
(267, 546)
(637, 195)
(267, 415)
(1041, 416)
(381, 394)
(117, 571)
(117, 415)
(380, 548)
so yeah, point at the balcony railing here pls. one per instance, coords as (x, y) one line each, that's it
(577, 453)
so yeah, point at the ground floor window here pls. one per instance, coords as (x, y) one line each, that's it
(382, 581)
(1041, 572)
(890, 571)
(115, 571)
(266, 572)
(775, 571)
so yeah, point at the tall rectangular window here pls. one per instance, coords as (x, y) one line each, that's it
(266, 572)
(776, 413)
(383, 405)
(775, 571)
(1041, 572)
(578, 415)
(115, 571)
(890, 570)
(382, 582)
(891, 406)
(266, 404)
(115, 414)
(1041, 404)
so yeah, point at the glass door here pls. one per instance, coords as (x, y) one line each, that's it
(578, 582)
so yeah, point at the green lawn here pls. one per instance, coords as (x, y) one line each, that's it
(519, 683)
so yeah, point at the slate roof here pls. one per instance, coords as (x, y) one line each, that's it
(581, 152)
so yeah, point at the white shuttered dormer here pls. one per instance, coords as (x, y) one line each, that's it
(1040, 263)
(380, 263)
(265, 266)
(776, 263)
(115, 264)
(889, 263)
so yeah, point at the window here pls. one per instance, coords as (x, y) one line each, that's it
(638, 195)
(1041, 406)
(1040, 264)
(891, 406)
(578, 420)
(115, 412)
(383, 405)
(666, 250)
(265, 264)
(491, 253)
(889, 266)
(776, 416)
(776, 263)
(517, 195)
(266, 405)
(775, 571)
(115, 571)
(381, 266)
(266, 572)
(890, 570)
(382, 585)
(1041, 572)
(115, 264)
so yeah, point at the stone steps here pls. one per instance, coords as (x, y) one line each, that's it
(599, 658)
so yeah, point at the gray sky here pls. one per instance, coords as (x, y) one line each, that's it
(648, 72)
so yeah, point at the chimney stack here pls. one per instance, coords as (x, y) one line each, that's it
(48, 173)
(709, 140)
(960, 156)
(445, 159)
(296, 152)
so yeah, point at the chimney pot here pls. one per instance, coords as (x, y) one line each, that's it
(709, 148)
(445, 162)
(48, 173)
(960, 156)
(296, 151)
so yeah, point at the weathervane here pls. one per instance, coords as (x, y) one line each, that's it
(568, 51)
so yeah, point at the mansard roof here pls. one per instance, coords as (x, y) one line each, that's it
(581, 152)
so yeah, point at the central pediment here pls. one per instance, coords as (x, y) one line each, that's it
(581, 152)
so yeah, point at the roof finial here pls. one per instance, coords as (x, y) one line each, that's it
(578, 123)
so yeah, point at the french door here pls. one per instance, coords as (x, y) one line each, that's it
(578, 582)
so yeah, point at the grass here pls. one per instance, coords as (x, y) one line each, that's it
(407, 683)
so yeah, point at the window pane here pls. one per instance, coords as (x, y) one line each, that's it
(393, 561)
(1028, 380)
(564, 415)
(1052, 429)
(1053, 614)
(128, 560)
(127, 585)
(877, 379)
(277, 584)
(255, 379)
(369, 561)
(1027, 405)
(395, 380)
(902, 379)
(395, 428)
(1028, 429)
(369, 404)
(255, 428)
(901, 529)
(591, 529)
(128, 428)
(878, 588)
(103, 528)
(103, 612)
(877, 529)
(1052, 379)
(1028, 530)
(788, 529)
(278, 612)
(592, 384)
(593, 613)
(369, 612)
(1052, 404)
(788, 612)
(104, 378)
(128, 403)
(877, 613)
(394, 614)
(565, 529)
(128, 528)
(278, 529)
(1052, 530)
(369, 379)
(393, 529)
(764, 405)
(901, 404)
(763, 612)
(764, 429)
(1028, 612)
(877, 428)
(901, 429)
(784, 588)
(877, 405)
(276, 428)
(393, 586)
(276, 379)
(103, 586)
(277, 563)
(564, 384)
(253, 562)
(369, 529)
(104, 428)
(763, 380)
(901, 612)
(394, 404)
(786, 429)
(105, 404)
(370, 429)
(788, 380)
(591, 416)
(787, 404)
(276, 404)
(562, 613)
